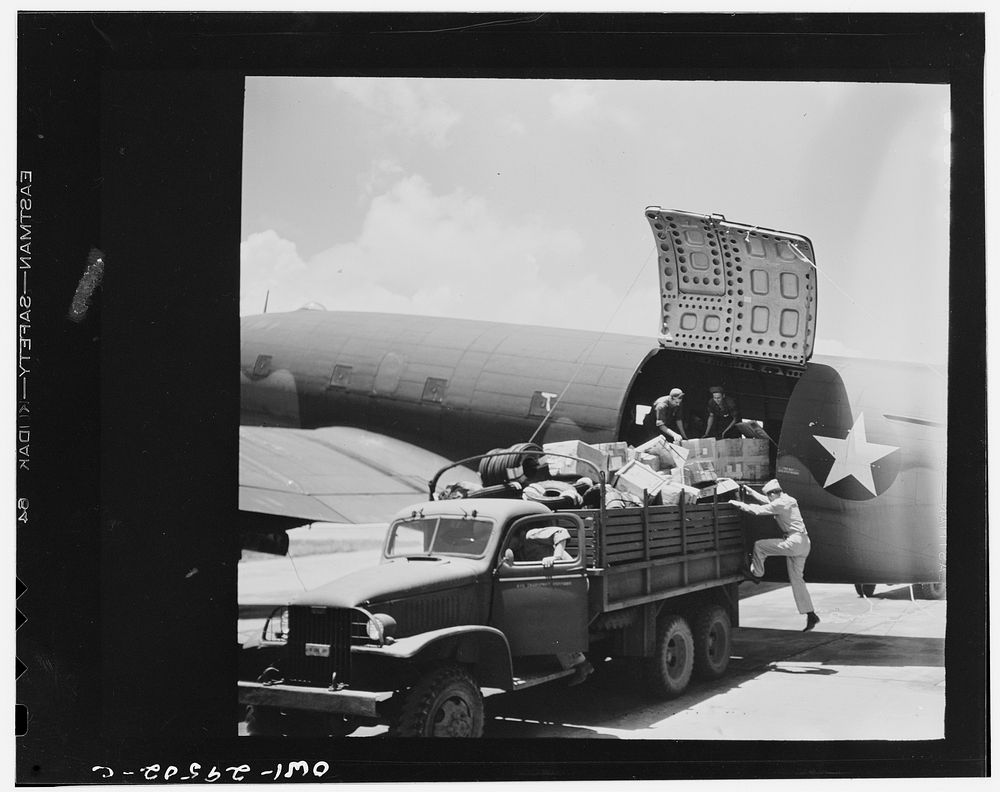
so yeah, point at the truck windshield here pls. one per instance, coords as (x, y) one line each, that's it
(439, 536)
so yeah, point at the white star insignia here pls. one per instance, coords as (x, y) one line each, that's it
(854, 456)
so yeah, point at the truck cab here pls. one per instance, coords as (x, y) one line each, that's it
(447, 588)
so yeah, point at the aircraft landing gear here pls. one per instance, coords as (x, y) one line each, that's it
(930, 591)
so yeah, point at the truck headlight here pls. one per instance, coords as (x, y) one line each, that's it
(276, 628)
(381, 627)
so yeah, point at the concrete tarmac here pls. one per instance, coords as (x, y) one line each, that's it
(873, 669)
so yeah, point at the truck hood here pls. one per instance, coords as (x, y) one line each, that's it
(394, 579)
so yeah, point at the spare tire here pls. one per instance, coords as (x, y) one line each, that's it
(493, 470)
(554, 494)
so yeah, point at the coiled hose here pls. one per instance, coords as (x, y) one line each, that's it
(493, 469)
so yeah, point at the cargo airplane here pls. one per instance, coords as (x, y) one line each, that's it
(345, 416)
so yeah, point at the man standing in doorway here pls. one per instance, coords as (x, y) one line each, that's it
(668, 416)
(724, 418)
(795, 546)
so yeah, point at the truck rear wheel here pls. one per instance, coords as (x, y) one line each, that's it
(668, 670)
(446, 702)
(712, 641)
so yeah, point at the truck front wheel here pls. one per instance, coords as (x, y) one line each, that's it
(712, 636)
(668, 670)
(446, 702)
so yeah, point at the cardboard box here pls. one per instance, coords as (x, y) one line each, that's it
(755, 471)
(729, 448)
(733, 470)
(703, 448)
(560, 466)
(724, 486)
(702, 471)
(636, 477)
(672, 493)
(753, 447)
(680, 475)
(649, 460)
(670, 454)
(615, 453)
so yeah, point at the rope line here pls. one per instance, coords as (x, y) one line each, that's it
(593, 346)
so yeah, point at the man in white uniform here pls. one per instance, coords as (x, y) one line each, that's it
(795, 546)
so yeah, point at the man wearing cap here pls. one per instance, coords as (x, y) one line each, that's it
(724, 418)
(795, 546)
(669, 420)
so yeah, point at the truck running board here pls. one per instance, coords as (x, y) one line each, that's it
(520, 683)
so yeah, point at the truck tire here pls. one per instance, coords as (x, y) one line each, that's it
(446, 702)
(668, 671)
(864, 589)
(712, 642)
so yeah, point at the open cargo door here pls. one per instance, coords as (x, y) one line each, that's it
(735, 290)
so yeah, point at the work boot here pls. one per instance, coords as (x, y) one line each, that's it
(747, 570)
(811, 621)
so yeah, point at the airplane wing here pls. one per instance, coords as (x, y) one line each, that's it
(335, 474)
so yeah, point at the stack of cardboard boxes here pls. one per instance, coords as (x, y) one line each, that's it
(648, 466)
(744, 459)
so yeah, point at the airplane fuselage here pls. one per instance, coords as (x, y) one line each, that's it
(861, 443)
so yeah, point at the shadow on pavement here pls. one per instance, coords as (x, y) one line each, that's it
(614, 693)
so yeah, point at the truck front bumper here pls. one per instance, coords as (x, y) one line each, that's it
(362, 703)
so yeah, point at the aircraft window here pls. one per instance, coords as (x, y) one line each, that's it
(760, 318)
(434, 389)
(699, 260)
(759, 281)
(789, 323)
(541, 403)
(389, 372)
(755, 247)
(439, 536)
(341, 376)
(263, 366)
(789, 285)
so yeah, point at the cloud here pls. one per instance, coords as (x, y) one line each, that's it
(409, 107)
(581, 100)
(511, 125)
(450, 254)
(573, 102)
(378, 176)
(267, 262)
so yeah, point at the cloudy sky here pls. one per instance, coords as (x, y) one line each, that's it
(522, 200)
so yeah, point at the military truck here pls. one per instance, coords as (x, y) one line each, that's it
(450, 614)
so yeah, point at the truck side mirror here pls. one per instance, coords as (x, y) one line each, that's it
(508, 558)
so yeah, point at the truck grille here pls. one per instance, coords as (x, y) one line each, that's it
(319, 644)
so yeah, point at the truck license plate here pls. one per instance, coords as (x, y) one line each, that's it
(317, 650)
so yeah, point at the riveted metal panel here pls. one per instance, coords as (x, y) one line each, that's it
(733, 289)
